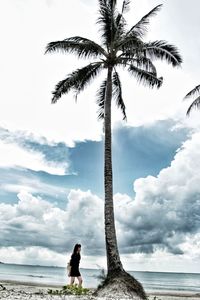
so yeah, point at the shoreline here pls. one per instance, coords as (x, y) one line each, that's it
(22, 290)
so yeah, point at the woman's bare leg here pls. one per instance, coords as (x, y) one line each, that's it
(72, 280)
(80, 280)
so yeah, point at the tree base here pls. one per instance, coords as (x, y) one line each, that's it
(121, 285)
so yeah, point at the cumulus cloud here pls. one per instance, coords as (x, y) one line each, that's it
(35, 222)
(40, 256)
(166, 208)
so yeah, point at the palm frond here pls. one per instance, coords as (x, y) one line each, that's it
(120, 23)
(112, 4)
(145, 64)
(119, 30)
(78, 45)
(125, 6)
(195, 104)
(140, 28)
(140, 62)
(87, 75)
(76, 81)
(147, 78)
(129, 45)
(117, 92)
(112, 23)
(163, 51)
(193, 92)
(101, 95)
(106, 22)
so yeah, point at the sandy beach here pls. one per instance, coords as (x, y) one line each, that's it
(23, 291)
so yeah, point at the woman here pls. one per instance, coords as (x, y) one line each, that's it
(74, 263)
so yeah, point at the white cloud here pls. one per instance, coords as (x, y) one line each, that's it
(166, 208)
(191, 246)
(160, 261)
(34, 221)
(178, 178)
(34, 186)
(41, 256)
(14, 156)
(31, 206)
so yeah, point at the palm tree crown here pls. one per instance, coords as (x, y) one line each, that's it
(120, 47)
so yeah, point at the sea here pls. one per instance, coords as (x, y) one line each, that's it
(151, 281)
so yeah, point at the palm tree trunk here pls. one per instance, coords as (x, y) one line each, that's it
(117, 282)
(114, 264)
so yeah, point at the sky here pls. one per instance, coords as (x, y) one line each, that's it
(51, 156)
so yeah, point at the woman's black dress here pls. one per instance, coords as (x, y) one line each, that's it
(74, 263)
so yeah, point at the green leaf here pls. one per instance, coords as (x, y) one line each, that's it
(193, 92)
(117, 92)
(163, 51)
(77, 80)
(195, 104)
(125, 6)
(80, 46)
(101, 94)
(140, 28)
(147, 78)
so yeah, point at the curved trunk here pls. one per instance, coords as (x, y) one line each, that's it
(114, 264)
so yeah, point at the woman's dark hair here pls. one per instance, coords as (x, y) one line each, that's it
(76, 248)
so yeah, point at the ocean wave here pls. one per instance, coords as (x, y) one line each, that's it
(37, 276)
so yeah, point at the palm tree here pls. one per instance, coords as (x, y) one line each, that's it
(119, 47)
(196, 102)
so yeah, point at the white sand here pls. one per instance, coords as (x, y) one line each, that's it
(11, 290)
